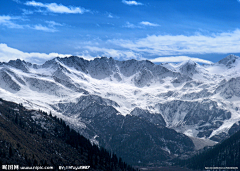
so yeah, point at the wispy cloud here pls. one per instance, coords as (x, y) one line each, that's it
(110, 16)
(7, 53)
(140, 25)
(53, 23)
(158, 47)
(130, 25)
(50, 27)
(9, 21)
(109, 52)
(26, 12)
(227, 42)
(44, 28)
(91, 52)
(131, 2)
(146, 23)
(57, 8)
(179, 59)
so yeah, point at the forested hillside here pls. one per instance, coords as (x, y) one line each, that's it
(33, 138)
(224, 154)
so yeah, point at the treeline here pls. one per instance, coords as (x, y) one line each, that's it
(224, 154)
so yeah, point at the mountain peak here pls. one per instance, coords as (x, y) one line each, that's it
(17, 61)
(50, 63)
(19, 64)
(188, 67)
(189, 62)
(229, 61)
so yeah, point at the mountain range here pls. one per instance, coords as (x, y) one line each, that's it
(144, 112)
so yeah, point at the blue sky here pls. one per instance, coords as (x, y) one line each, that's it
(158, 30)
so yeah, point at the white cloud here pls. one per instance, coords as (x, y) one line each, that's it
(8, 21)
(161, 45)
(140, 25)
(53, 23)
(146, 23)
(128, 54)
(44, 28)
(179, 59)
(172, 48)
(51, 26)
(129, 25)
(57, 8)
(131, 2)
(109, 15)
(7, 53)
(27, 12)
(108, 52)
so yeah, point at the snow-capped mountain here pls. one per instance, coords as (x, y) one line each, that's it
(195, 100)
(229, 61)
